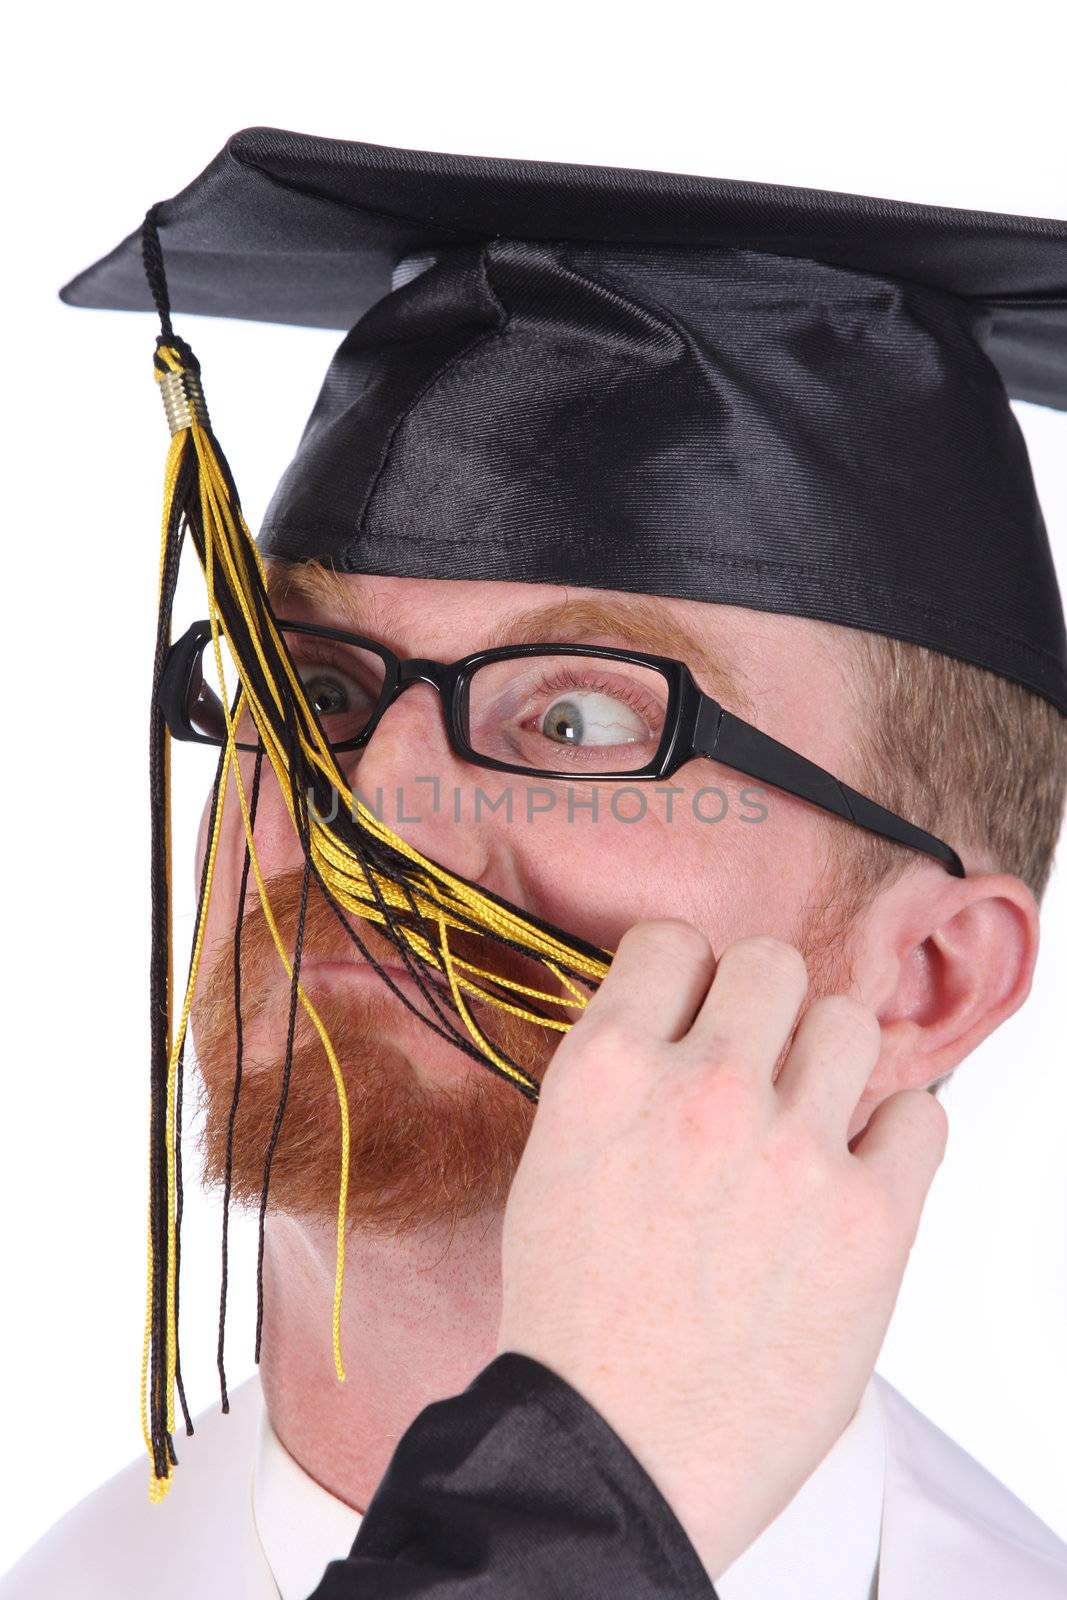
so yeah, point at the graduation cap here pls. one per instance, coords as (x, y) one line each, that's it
(761, 396)
(765, 396)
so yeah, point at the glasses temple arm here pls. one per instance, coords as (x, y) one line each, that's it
(737, 744)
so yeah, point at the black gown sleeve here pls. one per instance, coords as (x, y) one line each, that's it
(516, 1489)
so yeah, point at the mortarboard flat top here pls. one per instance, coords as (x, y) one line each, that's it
(260, 232)
(290, 228)
(767, 396)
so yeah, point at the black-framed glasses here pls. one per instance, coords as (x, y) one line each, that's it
(538, 710)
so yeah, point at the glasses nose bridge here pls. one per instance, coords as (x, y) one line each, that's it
(418, 669)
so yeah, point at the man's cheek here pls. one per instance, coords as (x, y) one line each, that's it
(226, 872)
(597, 876)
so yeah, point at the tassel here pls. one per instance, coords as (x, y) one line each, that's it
(359, 865)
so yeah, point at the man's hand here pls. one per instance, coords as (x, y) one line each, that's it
(693, 1245)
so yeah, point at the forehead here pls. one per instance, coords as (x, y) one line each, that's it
(745, 658)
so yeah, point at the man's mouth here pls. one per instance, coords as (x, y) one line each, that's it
(331, 960)
(357, 965)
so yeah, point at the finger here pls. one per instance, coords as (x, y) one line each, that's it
(904, 1142)
(752, 1006)
(657, 979)
(830, 1061)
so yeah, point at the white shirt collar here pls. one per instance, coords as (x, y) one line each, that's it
(830, 1531)
(301, 1525)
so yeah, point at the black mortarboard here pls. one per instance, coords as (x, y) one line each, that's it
(764, 396)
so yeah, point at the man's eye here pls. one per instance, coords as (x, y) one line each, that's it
(592, 718)
(342, 702)
(329, 692)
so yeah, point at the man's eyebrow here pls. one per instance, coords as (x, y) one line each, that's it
(342, 598)
(639, 621)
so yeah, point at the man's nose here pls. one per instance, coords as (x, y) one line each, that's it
(408, 775)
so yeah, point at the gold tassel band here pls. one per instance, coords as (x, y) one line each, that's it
(183, 400)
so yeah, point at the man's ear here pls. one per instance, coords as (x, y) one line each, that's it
(957, 958)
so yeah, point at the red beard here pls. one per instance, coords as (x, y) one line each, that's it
(420, 1153)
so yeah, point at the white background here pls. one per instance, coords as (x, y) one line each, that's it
(111, 107)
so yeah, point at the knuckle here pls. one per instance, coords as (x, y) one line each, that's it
(718, 1109)
(777, 960)
(847, 1018)
(696, 1127)
(609, 1048)
(608, 1040)
(679, 938)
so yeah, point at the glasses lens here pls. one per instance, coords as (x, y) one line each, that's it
(568, 713)
(342, 681)
(203, 708)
